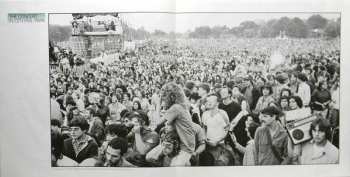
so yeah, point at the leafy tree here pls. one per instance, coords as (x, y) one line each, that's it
(266, 30)
(317, 22)
(159, 33)
(248, 25)
(280, 25)
(218, 31)
(201, 32)
(333, 29)
(297, 28)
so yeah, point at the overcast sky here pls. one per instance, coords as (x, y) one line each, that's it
(182, 22)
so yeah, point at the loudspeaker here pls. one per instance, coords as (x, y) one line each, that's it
(299, 130)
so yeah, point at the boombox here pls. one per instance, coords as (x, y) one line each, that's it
(297, 114)
(299, 130)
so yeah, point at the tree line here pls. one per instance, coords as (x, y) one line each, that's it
(314, 26)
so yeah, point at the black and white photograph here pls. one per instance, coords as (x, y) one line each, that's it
(194, 89)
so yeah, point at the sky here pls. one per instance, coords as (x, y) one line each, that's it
(182, 22)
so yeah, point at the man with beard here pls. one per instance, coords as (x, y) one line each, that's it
(115, 153)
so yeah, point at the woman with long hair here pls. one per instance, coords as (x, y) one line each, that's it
(265, 99)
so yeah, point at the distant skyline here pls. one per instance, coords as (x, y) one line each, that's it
(182, 22)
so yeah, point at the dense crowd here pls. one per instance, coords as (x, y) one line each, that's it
(197, 102)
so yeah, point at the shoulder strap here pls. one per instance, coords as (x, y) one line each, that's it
(273, 148)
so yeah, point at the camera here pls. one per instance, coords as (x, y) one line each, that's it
(299, 130)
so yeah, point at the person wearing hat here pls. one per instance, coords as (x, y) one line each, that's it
(271, 139)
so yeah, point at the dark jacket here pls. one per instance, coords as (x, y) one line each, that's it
(89, 151)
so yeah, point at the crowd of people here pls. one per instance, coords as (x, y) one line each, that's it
(197, 102)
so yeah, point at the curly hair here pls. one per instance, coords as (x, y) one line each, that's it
(171, 93)
(173, 138)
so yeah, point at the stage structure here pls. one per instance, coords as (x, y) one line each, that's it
(96, 34)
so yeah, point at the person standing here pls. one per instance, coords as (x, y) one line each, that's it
(216, 124)
(271, 139)
(265, 99)
(115, 108)
(303, 89)
(321, 98)
(232, 108)
(80, 146)
(319, 150)
(55, 110)
(203, 91)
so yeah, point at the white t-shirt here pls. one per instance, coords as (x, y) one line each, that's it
(216, 125)
(312, 154)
